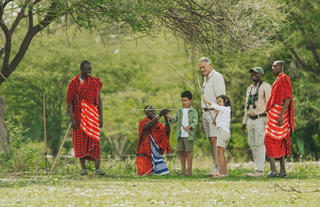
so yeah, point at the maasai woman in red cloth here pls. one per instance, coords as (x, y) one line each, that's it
(85, 110)
(280, 120)
(152, 131)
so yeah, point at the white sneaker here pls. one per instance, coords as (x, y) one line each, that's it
(255, 174)
(214, 170)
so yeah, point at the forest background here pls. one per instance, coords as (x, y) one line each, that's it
(154, 69)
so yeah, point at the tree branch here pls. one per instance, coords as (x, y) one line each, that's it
(30, 17)
(35, 2)
(7, 47)
(19, 17)
(6, 2)
(1, 51)
(50, 17)
(314, 52)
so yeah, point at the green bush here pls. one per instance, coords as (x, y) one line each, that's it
(17, 135)
(27, 158)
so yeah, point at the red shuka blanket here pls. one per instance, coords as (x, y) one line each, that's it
(83, 145)
(282, 89)
(277, 138)
(143, 151)
(90, 120)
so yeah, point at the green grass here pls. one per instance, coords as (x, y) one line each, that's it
(121, 187)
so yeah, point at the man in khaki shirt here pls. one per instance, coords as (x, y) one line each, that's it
(213, 86)
(257, 97)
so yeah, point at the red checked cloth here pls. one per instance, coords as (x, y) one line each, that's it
(83, 145)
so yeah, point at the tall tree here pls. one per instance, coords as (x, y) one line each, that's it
(85, 13)
(225, 26)
(302, 35)
(301, 40)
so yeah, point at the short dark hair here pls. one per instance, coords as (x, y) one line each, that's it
(84, 64)
(186, 94)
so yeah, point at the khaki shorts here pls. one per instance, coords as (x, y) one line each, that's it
(223, 138)
(184, 145)
(210, 129)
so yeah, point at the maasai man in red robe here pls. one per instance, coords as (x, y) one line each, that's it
(280, 120)
(85, 110)
(153, 141)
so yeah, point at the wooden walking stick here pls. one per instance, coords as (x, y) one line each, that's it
(58, 155)
(44, 125)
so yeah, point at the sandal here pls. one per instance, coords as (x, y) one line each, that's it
(187, 174)
(98, 172)
(284, 175)
(217, 175)
(84, 172)
(272, 174)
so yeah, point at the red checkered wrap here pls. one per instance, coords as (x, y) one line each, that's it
(277, 138)
(88, 91)
(143, 151)
(144, 165)
(281, 90)
(84, 146)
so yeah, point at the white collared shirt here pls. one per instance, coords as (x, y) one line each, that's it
(212, 88)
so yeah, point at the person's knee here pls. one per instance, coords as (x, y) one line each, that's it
(213, 140)
(221, 150)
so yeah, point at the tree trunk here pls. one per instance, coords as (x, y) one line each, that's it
(4, 133)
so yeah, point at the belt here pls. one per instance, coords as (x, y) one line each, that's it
(207, 109)
(258, 116)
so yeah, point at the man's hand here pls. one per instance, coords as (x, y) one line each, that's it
(73, 123)
(164, 112)
(168, 116)
(202, 128)
(243, 128)
(280, 120)
(187, 128)
(206, 101)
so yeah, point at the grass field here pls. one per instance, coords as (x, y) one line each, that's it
(117, 188)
